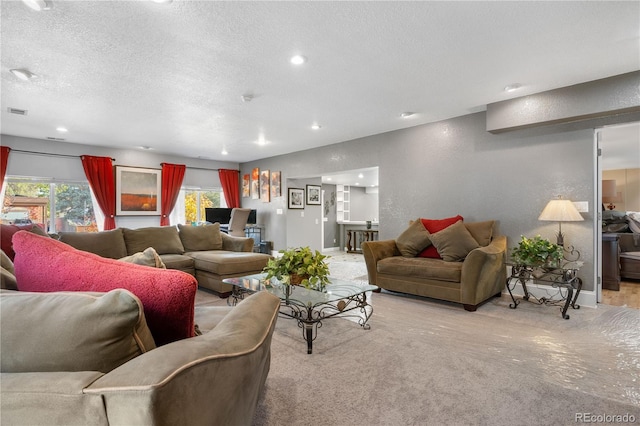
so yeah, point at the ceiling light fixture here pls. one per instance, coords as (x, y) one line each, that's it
(38, 5)
(62, 129)
(23, 74)
(224, 151)
(316, 126)
(246, 98)
(262, 140)
(298, 60)
(146, 148)
(512, 87)
(360, 175)
(159, 1)
(407, 114)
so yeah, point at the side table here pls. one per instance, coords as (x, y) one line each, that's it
(565, 276)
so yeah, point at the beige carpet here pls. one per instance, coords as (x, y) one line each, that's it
(431, 363)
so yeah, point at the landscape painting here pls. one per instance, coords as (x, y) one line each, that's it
(137, 191)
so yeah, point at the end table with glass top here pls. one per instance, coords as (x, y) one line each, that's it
(310, 307)
(562, 277)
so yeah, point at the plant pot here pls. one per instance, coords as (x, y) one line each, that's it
(295, 279)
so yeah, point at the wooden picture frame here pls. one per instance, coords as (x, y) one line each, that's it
(138, 191)
(265, 177)
(296, 198)
(313, 195)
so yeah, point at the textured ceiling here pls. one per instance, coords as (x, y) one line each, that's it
(171, 77)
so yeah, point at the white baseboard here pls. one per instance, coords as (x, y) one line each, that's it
(586, 299)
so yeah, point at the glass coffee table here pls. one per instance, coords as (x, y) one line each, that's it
(310, 307)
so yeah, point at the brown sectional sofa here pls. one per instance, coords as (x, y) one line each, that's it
(202, 251)
(474, 277)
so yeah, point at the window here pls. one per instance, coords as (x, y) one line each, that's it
(55, 206)
(191, 204)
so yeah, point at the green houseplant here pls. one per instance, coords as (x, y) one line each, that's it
(300, 266)
(537, 251)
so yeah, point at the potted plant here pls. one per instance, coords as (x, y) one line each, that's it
(300, 266)
(537, 252)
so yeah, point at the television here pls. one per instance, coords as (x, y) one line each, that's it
(223, 215)
(217, 214)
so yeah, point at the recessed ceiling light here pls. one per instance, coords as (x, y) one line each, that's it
(146, 148)
(357, 183)
(62, 129)
(298, 60)
(328, 178)
(38, 5)
(316, 126)
(159, 1)
(512, 87)
(407, 114)
(262, 140)
(360, 175)
(224, 151)
(23, 74)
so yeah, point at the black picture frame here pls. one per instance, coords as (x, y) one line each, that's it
(313, 195)
(296, 198)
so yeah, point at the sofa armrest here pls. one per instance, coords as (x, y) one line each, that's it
(373, 252)
(231, 243)
(215, 378)
(484, 272)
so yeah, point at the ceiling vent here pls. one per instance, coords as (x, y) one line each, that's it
(51, 138)
(17, 111)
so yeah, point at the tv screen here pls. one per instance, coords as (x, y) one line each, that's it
(217, 214)
(253, 217)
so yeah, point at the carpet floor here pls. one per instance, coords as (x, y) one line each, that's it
(425, 362)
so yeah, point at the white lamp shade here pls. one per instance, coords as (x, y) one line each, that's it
(560, 211)
(608, 188)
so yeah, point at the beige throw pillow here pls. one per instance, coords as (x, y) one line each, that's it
(148, 257)
(198, 238)
(413, 240)
(481, 231)
(71, 331)
(7, 273)
(454, 242)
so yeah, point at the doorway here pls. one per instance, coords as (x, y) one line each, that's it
(618, 179)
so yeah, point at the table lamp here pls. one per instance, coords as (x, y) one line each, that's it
(560, 211)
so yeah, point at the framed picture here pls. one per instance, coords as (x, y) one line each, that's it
(246, 186)
(264, 186)
(276, 191)
(138, 191)
(296, 198)
(255, 184)
(313, 195)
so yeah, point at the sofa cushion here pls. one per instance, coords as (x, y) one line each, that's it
(482, 232)
(454, 242)
(168, 296)
(196, 238)
(164, 239)
(149, 257)
(223, 262)
(71, 331)
(413, 240)
(433, 226)
(420, 267)
(106, 243)
(180, 262)
(6, 234)
(7, 273)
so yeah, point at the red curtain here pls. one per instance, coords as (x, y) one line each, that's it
(172, 175)
(230, 180)
(99, 172)
(4, 156)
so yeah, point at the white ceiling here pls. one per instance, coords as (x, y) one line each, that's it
(170, 77)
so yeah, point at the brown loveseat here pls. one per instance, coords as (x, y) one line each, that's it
(92, 361)
(202, 251)
(472, 271)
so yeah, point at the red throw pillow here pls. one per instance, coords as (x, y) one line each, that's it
(433, 226)
(6, 234)
(168, 296)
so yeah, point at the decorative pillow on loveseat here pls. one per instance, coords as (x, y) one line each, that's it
(106, 243)
(6, 234)
(433, 226)
(71, 331)
(413, 240)
(454, 242)
(148, 257)
(168, 296)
